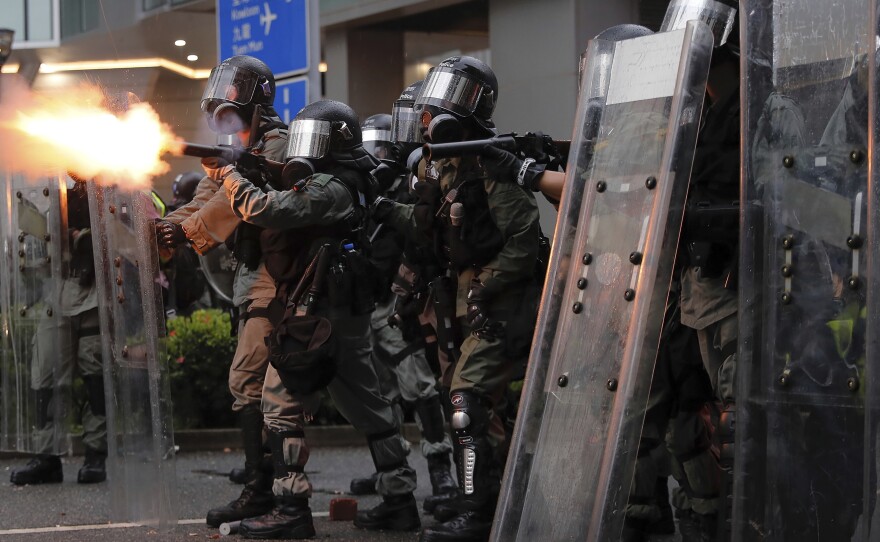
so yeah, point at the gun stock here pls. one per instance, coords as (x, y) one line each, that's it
(234, 155)
(529, 145)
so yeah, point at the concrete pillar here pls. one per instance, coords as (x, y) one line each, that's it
(364, 68)
(535, 51)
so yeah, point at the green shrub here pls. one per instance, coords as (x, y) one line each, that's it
(200, 350)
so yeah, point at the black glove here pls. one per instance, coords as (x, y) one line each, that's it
(169, 234)
(478, 316)
(385, 174)
(217, 168)
(505, 166)
(381, 208)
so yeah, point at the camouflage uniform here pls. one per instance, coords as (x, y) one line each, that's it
(324, 201)
(486, 363)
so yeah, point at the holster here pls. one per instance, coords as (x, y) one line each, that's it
(246, 248)
(350, 282)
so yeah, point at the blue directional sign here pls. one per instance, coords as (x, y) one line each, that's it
(275, 31)
(291, 95)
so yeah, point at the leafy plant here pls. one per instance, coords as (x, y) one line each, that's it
(200, 350)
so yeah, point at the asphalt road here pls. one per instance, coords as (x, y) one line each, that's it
(45, 511)
(51, 512)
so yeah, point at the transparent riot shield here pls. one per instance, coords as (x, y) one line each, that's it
(140, 441)
(218, 266)
(805, 451)
(574, 448)
(35, 378)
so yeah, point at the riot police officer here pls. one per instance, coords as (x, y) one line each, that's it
(312, 243)
(238, 100)
(487, 234)
(400, 361)
(80, 350)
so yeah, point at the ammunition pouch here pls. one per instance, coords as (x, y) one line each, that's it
(349, 282)
(302, 350)
(246, 247)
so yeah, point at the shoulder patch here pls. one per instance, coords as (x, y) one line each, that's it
(320, 179)
(275, 133)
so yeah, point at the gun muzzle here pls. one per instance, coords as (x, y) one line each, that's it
(207, 151)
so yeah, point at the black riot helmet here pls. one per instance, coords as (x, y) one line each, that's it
(376, 134)
(721, 16)
(321, 127)
(405, 119)
(183, 189)
(619, 32)
(322, 130)
(461, 90)
(235, 87)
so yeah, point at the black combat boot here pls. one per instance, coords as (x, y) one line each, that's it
(442, 482)
(446, 509)
(238, 476)
(291, 518)
(364, 486)
(394, 513)
(93, 469)
(469, 526)
(256, 498)
(42, 469)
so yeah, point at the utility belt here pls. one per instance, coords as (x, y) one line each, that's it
(336, 277)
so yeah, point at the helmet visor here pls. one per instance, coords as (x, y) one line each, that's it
(230, 84)
(450, 90)
(718, 16)
(405, 123)
(308, 138)
(377, 142)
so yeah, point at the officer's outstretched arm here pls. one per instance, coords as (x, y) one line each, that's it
(507, 167)
(319, 203)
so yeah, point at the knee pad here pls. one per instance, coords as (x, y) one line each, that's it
(470, 429)
(470, 415)
(282, 464)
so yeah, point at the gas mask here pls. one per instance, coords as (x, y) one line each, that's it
(225, 118)
(439, 127)
(295, 170)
